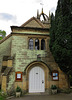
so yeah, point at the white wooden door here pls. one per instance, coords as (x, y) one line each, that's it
(36, 80)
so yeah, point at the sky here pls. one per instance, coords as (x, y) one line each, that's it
(17, 12)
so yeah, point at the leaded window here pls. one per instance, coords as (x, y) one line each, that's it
(36, 44)
(31, 44)
(42, 44)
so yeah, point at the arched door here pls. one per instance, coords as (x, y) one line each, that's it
(36, 80)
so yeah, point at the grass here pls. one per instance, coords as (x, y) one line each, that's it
(2, 98)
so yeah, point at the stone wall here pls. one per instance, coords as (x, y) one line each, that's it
(24, 56)
(5, 49)
(4, 83)
(17, 46)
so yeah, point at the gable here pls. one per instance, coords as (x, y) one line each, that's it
(33, 22)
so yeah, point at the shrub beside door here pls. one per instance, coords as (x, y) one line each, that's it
(18, 91)
(54, 89)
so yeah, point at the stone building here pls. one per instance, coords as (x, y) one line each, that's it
(26, 60)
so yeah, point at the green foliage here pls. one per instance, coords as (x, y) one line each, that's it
(67, 91)
(1, 38)
(52, 31)
(61, 35)
(2, 34)
(2, 95)
(18, 89)
(70, 78)
(53, 87)
(2, 98)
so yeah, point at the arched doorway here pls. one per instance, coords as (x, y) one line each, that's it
(42, 66)
(36, 80)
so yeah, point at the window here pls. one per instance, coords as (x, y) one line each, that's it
(18, 76)
(42, 44)
(55, 76)
(31, 44)
(37, 44)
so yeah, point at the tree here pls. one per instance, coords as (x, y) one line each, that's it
(61, 35)
(2, 34)
(52, 31)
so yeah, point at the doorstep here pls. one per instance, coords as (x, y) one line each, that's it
(39, 93)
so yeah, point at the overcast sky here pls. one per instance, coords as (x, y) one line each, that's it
(16, 12)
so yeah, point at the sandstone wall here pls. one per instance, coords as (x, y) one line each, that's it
(24, 56)
(5, 49)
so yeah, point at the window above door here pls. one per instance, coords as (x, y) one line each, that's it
(37, 44)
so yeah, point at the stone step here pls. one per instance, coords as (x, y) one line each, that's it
(40, 93)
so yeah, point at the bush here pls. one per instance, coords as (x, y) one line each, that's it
(3, 95)
(70, 78)
(18, 89)
(1, 98)
(67, 91)
(53, 87)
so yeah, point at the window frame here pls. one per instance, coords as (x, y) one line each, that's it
(55, 71)
(37, 44)
(43, 44)
(31, 47)
(18, 79)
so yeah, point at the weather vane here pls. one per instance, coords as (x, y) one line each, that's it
(41, 4)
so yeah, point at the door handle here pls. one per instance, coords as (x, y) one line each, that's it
(42, 81)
